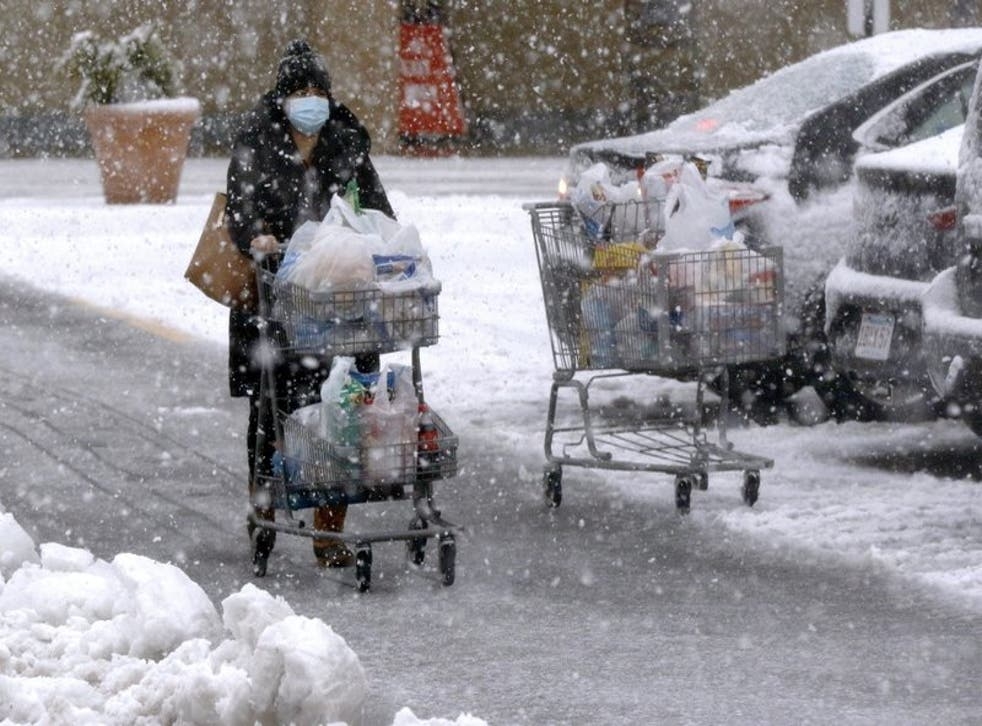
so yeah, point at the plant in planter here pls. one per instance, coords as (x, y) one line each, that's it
(138, 127)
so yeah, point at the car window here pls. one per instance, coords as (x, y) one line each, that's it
(930, 109)
(949, 112)
(785, 96)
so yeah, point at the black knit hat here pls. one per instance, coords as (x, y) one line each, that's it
(301, 68)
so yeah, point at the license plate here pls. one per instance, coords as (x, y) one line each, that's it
(875, 333)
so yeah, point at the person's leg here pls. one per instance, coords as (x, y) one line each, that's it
(334, 553)
(303, 389)
(331, 553)
(260, 433)
(260, 459)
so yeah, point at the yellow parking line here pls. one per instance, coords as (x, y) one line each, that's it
(149, 326)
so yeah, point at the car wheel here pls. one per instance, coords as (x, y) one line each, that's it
(896, 401)
(756, 392)
(813, 358)
(843, 401)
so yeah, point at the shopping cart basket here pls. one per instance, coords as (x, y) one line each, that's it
(616, 306)
(314, 471)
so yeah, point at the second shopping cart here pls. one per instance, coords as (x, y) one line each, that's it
(617, 306)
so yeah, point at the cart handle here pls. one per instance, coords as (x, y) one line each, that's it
(261, 257)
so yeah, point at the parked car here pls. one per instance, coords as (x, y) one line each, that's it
(904, 237)
(791, 135)
(797, 123)
(873, 295)
(952, 303)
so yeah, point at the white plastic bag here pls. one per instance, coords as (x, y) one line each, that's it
(364, 221)
(371, 419)
(695, 216)
(589, 198)
(608, 210)
(395, 238)
(352, 250)
(338, 259)
(389, 427)
(301, 241)
(659, 178)
(344, 395)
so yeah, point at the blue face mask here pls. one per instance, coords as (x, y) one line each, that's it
(307, 113)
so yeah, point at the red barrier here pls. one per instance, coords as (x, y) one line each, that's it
(431, 117)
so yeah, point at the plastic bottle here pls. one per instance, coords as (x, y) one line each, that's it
(599, 320)
(428, 446)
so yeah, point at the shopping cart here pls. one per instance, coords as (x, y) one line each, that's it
(615, 306)
(310, 469)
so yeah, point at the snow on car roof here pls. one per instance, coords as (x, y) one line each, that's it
(892, 50)
(772, 108)
(935, 155)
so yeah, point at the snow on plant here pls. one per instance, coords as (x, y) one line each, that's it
(133, 67)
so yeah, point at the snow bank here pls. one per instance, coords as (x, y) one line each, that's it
(135, 641)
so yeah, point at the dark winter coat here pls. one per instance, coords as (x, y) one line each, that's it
(270, 191)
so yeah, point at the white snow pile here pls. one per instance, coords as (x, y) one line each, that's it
(135, 641)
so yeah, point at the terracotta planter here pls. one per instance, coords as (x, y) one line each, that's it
(141, 147)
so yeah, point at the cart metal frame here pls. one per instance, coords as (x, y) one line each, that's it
(615, 307)
(313, 471)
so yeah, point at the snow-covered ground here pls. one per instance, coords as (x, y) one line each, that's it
(84, 640)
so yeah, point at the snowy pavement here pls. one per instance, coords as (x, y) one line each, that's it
(493, 358)
(904, 501)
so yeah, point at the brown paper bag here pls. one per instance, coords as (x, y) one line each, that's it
(217, 268)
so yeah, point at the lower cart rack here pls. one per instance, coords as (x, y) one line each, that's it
(316, 473)
(669, 445)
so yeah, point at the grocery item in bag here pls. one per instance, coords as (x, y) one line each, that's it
(388, 427)
(343, 396)
(371, 420)
(695, 215)
(599, 316)
(339, 259)
(354, 250)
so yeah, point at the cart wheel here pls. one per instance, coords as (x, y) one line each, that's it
(448, 557)
(552, 486)
(262, 545)
(416, 547)
(363, 567)
(683, 493)
(751, 487)
(702, 480)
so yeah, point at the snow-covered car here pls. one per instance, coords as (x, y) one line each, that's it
(790, 134)
(903, 239)
(905, 236)
(797, 123)
(952, 303)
